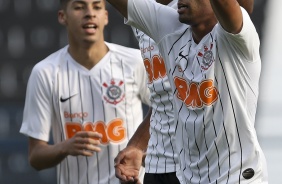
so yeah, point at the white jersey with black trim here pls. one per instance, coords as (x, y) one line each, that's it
(215, 85)
(64, 95)
(161, 156)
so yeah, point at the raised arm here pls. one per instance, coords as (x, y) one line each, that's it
(120, 5)
(228, 14)
(247, 4)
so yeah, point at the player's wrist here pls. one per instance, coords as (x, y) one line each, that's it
(136, 147)
(62, 148)
(132, 146)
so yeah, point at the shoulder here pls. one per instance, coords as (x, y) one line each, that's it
(248, 28)
(120, 48)
(47, 67)
(50, 62)
(126, 53)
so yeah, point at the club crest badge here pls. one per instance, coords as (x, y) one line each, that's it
(207, 57)
(114, 93)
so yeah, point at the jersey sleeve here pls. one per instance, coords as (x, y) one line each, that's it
(151, 18)
(247, 41)
(37, 110)
(141, 78)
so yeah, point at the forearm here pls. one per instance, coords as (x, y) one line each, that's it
(142, 135)
(44, 156)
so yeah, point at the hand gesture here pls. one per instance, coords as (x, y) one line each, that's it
(127, 165)
(83, 143)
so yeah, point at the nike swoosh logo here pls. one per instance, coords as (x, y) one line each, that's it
(182, 56)
(66, 99)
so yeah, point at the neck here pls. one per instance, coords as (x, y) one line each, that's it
(201, 30)
(88, 56)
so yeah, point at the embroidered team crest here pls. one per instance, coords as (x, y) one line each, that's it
(207, 57)
(114, 94)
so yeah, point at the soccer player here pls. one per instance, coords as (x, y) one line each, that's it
(90, 94)
(211, 51)
(161, 162)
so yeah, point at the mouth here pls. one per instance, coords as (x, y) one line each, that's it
(181, 7)
(89, 26)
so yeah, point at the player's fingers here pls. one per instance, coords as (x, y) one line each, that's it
(119, 174)
(129, 182)
(119, 157)
(89, 134)
(94, 135)
(84, 153)
(136, 181)
(87, 147)
(93, 141)
(91, 147)
(78, 139)
(130, 179)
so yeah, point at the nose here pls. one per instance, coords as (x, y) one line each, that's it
(89, 12)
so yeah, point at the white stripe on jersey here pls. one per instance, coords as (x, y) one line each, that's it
(161, 154)
(215, 85)
(106, 99)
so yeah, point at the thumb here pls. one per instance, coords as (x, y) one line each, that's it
(119, 158)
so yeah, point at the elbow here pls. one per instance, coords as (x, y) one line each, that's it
(33, 163)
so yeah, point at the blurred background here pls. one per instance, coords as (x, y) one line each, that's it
(29, 31)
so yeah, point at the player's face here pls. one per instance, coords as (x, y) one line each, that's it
(85, 20)
(194, 12)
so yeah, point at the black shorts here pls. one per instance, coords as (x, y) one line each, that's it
(162, 178)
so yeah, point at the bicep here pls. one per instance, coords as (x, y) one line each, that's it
(228, 14)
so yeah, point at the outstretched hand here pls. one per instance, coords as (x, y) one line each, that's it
(127, 165)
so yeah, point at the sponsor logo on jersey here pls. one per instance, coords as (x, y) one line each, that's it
(112, 132)
(76, 115)
(114, 94)
(155, 68)
(147, 49)
(207, 57)
(196, 95)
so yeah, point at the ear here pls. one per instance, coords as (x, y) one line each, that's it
(62, 17)
(106, 17)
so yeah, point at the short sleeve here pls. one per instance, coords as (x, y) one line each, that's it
(38, 106)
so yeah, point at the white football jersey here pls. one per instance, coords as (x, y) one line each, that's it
(64, 95)
(161, 155)
(215, 87)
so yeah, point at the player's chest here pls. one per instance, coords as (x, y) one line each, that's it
(194, 62)
(79, 91)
